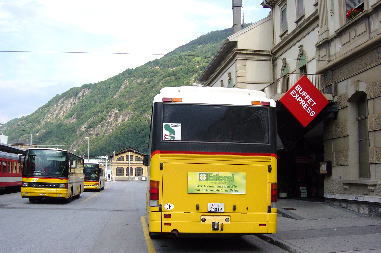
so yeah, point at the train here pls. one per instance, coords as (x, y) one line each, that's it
(11, 163)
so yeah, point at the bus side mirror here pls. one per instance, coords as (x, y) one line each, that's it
(146, 160)
(21, 159)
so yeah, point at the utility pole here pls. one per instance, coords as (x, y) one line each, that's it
(88, 148)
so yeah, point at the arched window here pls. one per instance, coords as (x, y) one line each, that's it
(362, 121)
(120, 158)
(359, 127)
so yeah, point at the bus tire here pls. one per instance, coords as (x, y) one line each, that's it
(33, 200)
(79, 193)
(153, 235)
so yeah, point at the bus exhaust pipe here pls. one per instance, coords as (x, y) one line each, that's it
(215, 226)
(175, 233)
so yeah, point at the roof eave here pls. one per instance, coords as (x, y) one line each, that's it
(227, 47)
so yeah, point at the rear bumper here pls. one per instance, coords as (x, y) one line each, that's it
(91, 186)
(190, 223)
(27, 192)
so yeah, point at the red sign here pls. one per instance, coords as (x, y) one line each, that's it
(304, 101)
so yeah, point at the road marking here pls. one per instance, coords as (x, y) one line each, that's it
(149, 243)
(92, 196)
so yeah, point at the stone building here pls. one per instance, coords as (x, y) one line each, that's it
(296, 26)
(127, 164)
(337, 156)
(349, 53)
(244, 60)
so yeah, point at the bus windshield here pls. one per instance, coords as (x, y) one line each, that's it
(216, 123)
(92, 172)
(46, 163)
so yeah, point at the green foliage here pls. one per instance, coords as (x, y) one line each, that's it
(128, 93)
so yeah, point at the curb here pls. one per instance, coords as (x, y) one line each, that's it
(288, 214)
(281, 244)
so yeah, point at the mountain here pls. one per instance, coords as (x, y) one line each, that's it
(115, 113)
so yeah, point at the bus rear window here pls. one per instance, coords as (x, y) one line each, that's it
(215, 123)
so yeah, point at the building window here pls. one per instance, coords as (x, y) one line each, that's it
(120, 158)
(353, 8)
(130, 157)
(119, 171)
(138, 172)
(302, 61)
(230, 80)
(129, 171)
(303, 70)
(362, 121)
(138, 158)
(354, 4)
(222, 83)
(283, 19)
(299, 8)
(284, 84)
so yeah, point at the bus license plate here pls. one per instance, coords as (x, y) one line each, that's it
(216, 207)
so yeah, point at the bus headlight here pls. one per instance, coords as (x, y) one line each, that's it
(24, 184)
(62, 186)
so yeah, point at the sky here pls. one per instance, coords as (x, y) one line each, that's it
(48, 29)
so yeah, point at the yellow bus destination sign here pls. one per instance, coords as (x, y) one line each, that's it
(217, 182)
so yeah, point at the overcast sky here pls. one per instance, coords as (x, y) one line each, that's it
(49, 28)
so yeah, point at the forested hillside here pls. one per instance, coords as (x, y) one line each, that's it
(115, 113)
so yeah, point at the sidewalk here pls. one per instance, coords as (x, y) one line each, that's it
(305, 226)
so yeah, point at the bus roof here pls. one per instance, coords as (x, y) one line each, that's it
(56, 149)
(9, 155)
(213, 95)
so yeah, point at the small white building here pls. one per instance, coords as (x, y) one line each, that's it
(3, 139)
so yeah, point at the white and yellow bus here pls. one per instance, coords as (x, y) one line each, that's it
(94, 177)
(213, 163)
(51, 173)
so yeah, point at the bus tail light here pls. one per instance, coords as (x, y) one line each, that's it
(172, 99)
(274, 192)
(263, 103)
(154, 192)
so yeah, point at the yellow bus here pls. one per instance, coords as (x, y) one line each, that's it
(94, 177)
(51, 173)
(213, 163)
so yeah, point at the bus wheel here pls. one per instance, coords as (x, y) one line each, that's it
(79, 193)
(154, 235)
(70, 198)
(33, 200)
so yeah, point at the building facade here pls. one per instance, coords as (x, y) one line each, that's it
(244, 60)
(349, 49)
(127, 164)
(296, 29)
(337, 45)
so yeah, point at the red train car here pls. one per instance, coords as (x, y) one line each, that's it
(10, 167)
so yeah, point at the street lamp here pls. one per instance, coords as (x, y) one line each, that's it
(88, 147)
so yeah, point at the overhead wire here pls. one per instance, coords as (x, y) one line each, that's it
(73, 52)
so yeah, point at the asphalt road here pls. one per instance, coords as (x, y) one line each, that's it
(107, 221)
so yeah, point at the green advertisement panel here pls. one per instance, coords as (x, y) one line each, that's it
(217, 182)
